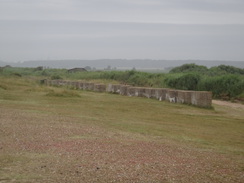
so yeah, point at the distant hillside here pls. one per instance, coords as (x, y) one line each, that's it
(120, 63)
(4, 63)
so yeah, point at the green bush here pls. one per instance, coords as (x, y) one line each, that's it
(188, 81)
(225, 69)
(189, 68)
(16, 74)
(226, 87)
(56, 77)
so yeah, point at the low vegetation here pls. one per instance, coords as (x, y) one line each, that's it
(225, 82)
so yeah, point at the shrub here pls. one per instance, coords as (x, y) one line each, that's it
(187, 81)
(56, 77)
(17, 74)
(225, 69)
(189, 68)
(225, 87)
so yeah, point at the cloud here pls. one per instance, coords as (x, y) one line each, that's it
(157, 11)
(81, 39)
(161, 29)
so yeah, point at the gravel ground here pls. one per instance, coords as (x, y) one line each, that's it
(38, 147)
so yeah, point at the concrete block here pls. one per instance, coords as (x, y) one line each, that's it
(148, 92)
(139, 91)
(90, 86)
(49, 83)
(62, 83)
(198, 98)
(180, 96)
(85, 86)
(80, 85)
(54, 82)
(201, 98)
(159, 94)
(109, 88)
(43, 81)
(135, 91)
(131, 91)
(114, 88)
(100, 87)
(69, 84)
(171, 96)
(73, 84)
(124, 89)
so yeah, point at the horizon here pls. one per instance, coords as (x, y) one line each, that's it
(119, 59)
(121, 64)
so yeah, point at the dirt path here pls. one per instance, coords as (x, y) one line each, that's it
(228, 104)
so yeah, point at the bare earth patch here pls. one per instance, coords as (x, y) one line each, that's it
(228, 104)
(36, 147)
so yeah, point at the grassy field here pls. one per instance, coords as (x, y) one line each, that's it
(50, 134)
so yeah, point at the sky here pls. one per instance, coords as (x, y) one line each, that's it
(122, 29)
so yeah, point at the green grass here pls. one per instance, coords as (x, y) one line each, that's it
(13, 161)
(62, 93)
(216, 129)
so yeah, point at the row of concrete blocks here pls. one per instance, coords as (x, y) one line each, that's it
(78, 85)
(198, 98)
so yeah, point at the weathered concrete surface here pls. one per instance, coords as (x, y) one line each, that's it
(114, 88)
(75, 85)
(72, 84)
(80, 85)
(181, 97)
(201, 98)
(54, 82)
(62, 83)
(69, 84)
(124, 89)
(100, 87)
(135, 91)
(184, 97)
(91, 86)
(159, 93)
(131, 91)
(163, 94)
(198, 98)
(85, 86)
(148, 92)
(109, 88)
(139, 91)
(171, 96)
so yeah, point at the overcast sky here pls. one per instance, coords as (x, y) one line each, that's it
(126, 29)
